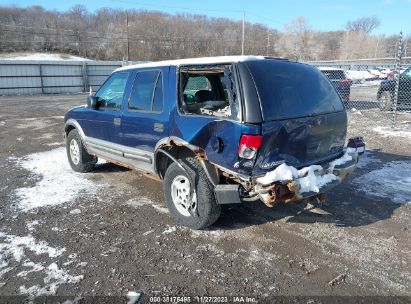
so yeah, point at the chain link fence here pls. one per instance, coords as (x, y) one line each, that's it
(379, 92)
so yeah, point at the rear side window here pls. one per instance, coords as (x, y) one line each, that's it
(209, 91)
(289, 89)
(147, 93)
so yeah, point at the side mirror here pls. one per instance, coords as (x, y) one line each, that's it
(92, 102)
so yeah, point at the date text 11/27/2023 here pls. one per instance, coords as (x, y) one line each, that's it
(202, 299)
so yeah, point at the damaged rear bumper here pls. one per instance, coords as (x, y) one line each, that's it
(296, 188)
(293, 190)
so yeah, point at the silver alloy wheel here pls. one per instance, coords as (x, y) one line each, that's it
(74, 151)
(180, 194)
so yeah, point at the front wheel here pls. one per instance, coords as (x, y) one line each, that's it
(78, 157)
(189, 195)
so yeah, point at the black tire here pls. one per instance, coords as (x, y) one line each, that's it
(85, 162)
(207, 211)
(386, 101)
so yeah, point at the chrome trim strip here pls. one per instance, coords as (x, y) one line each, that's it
(137, 157)
(124, 151)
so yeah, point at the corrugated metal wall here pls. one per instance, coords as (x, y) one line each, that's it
(24, 77)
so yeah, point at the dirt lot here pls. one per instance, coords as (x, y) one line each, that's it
(108, 232)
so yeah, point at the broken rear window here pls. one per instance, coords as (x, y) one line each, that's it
(208, 91)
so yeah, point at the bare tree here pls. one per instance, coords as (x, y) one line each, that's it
(156, 36)
(365, 24)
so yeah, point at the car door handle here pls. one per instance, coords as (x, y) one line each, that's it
(117, 121)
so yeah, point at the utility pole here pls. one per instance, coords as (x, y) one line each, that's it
(128, 40)
(242, 41)
(376, 48)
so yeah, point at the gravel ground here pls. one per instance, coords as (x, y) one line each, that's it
(108, 232)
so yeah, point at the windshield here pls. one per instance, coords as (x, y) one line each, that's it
(289, 89)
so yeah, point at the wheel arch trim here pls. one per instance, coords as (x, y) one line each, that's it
(74, 123)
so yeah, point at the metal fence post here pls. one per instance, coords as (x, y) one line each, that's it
(397, 82)
(41, 79)
(84, 73)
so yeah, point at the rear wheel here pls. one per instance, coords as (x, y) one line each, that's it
(189, 195)
(386, 100)
(78, 157)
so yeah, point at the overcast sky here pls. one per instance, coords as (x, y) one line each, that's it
(322, 14)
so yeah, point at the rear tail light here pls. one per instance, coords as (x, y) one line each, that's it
(249, 145)
(390, 75)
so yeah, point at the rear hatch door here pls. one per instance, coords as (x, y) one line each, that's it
(304, 121)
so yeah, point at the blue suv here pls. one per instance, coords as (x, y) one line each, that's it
(218, 130)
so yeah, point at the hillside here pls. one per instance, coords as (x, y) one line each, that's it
(40, 56)
(111, 34)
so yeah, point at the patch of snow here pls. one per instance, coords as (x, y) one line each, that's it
(2, 123)
(148, 232)
(20, 139)
(207, 233)
(53, 144)
(30, 225)
(170, 230)
(312, 182)
(82, 264)
(281, 174)
(354, 110)
(387, 132)
(144, 201)
(34, 268)
(15, 246)
(58, 184)
(359, 75)
(133, 297)
(75, 211)
(4, 271)
(55, 276)
(392, 181)
(160, 209)
(342, 160)
(42, 56)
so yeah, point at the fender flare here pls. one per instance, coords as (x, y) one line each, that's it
(74, 123)
(210, 170)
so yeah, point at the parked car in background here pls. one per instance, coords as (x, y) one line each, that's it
(218, 131)
(386, 92)
(339, 80)
(378, 75)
